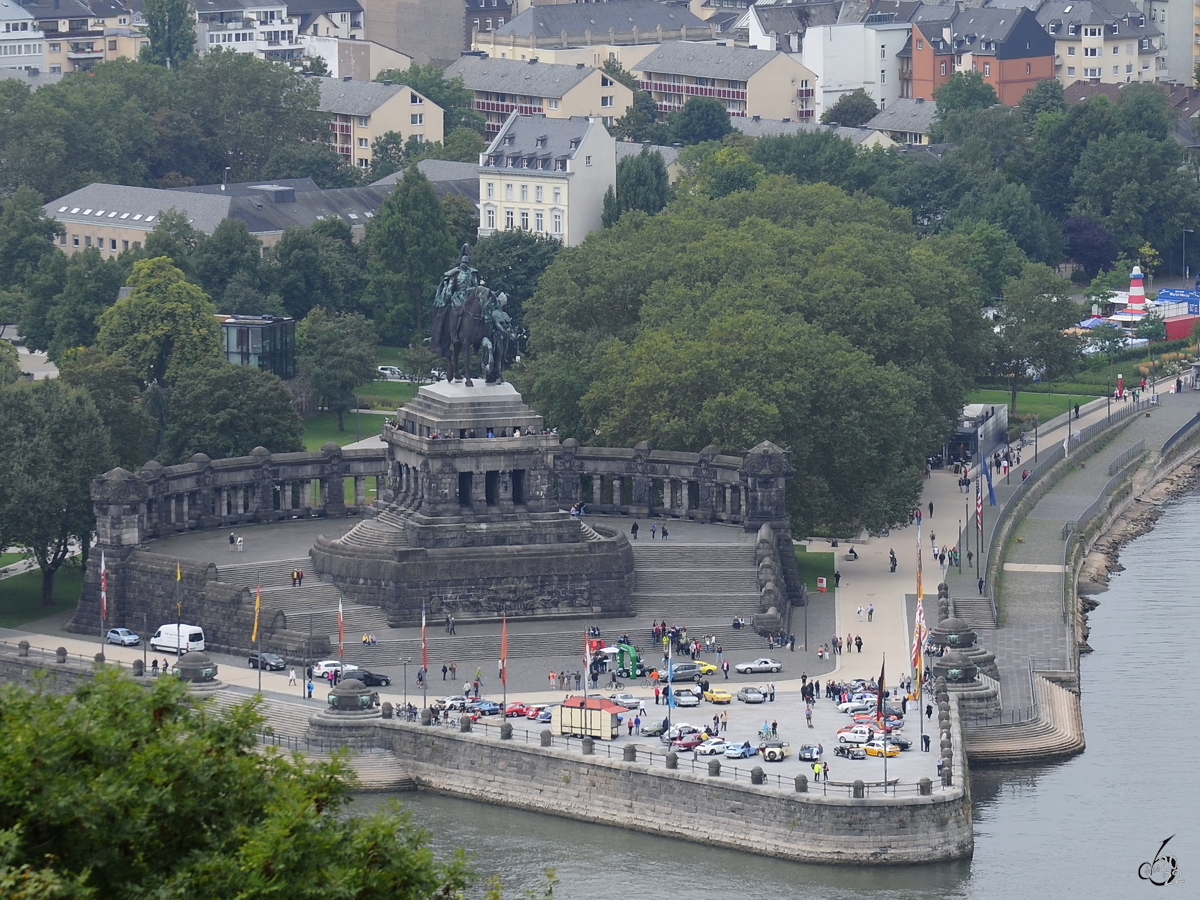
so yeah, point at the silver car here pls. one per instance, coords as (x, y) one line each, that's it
(123, 636)
(762, 664)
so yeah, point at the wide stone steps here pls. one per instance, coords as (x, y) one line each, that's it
(1057, 732)
(280, 717)
(975, 611)
(374, 535)
(702, 586)
(275, 573)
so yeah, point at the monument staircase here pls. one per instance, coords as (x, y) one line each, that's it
(1055, 731)
(975, 611)
(700, 585)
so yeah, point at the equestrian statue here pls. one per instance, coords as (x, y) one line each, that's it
(467, 315)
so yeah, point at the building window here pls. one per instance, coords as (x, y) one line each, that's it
(556, 221)
(1070, 51)
(75, 240)
(362, 163)
(1091, 73)
(55, 47)
(1028, 69)
(56, 70)
(476, 24)
(606, 101)
(557, 196)
(1091, 51)
(605, 81)
(508, 191)
(524, 220)
(363, 143)
(363, 121)
(1070, 70)
(883, 76)
(587, 160)
(416, 119)
(524, 193)
(416, 99)
(491, 218)
(920, 44)
(112, 45)
(124, 245)
(537, 193)
(943, 68)
(112, 244)
(987, 68)
(552, 104)
(489, 190)
(87, 240)
(500, 22)
(1116, 50)
(883, 51)
(539, 222)
(1116, 70)
(1128, 50)
(508, 218)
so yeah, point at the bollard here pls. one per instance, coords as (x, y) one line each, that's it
(589, 746)
(426, 716)
(757, 776)
(60, 654)
(801, 784)
(138, 669)
(630, 753)
(925, 787)
(947, 776)
(506, 731)
(860, 789)
(99, 657)
(714, 768)
(23, 648)
(672, 760)
(386, 709)
(547, 737)
(464, 724)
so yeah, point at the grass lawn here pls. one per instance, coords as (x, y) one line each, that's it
(21, 596)
(7, 559)
(385, 394)
(1047, 406)
(814, 565)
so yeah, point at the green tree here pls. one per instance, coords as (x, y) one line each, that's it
(701, 119)
(91, 287)
(228, 410)
(336, 352)
(51, 447)
(387, 154)
(964, 90)
(27, 235)
(315, 160)
(10, 363)
(642, 183)
(713, 170)
(513, 261)
(174, 237)
(1036, 310)
(640, 122)
(852, 109)
(171, 27)
(1044, 97)
(182, 782)
(317, 266)
(1151, 327)
(164, 327)
(116, 391)
(451, 95)
(230, 252)
(462, 218)
(409, 247)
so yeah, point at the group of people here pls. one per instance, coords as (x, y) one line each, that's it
(580, 509)
(654, 530)
(837, 645)
(779, 639)
(235, 542)
(166, 666)
(297, 577)
(560, 681)
(369, 640)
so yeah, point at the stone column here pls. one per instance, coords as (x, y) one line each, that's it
(360, 491)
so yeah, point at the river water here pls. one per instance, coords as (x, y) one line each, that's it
(1084, 825)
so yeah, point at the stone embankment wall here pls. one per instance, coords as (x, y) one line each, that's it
(711, 810)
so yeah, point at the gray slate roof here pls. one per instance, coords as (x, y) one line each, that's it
(539, 137)
(446, 176)
(246, 188)
(906, 115)
(705, 60)
(1097, 12)
(57, 9)
(633, 148)
(354, 98)
(511, 76)
(616, 15)
(758, 128)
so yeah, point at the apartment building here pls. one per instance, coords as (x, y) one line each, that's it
(22, 44)
(770, 84)
(484, 17)
(548, 176)
(362, 111)
(328, 18)
(1109, 41)
(247, 26)
(532, 87)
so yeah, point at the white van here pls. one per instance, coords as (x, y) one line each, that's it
(178, 638)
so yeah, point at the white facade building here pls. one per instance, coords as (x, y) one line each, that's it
(22, 44)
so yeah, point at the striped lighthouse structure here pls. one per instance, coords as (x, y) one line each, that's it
(1137, 293)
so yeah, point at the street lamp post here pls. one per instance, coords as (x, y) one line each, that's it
(1186, 232)
(1035, 439)
(405, 660)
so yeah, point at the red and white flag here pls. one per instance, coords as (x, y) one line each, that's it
(424, 646)
(103, 589)
(341, 628)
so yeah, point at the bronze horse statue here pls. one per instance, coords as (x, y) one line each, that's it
(459, 326)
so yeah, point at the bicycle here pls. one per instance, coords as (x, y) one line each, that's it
(614, 685)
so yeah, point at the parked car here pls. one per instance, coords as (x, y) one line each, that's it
(686, 698)
(544, 715)
(810, 752)
(687, 742)
(389, 372)
(899, 740)
(877, 748)
(857, 706)
(626, 700)
(677, 731)
(515, 709)
(849, 751)
(325, 666)
(122, 636)
(484, 707)
(706, 668)
(533, 710)
(455, 702)
(775, 751)
(856, 734)
(444, 702)
(712, 747)
(686, 671)
(655, 729)
(718, 695)
(370, 679)
(267, 661)
(762, 664)
(751, 695)
(744, 750)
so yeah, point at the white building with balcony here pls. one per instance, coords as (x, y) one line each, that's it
(22, 44)
(246, 26)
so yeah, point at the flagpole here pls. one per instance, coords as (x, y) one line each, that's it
(103, 600)
(504, 655)
(178, 608)
(882, 727)
(257, 640)
(424, 663)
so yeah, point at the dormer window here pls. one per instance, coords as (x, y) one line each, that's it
(541, 141)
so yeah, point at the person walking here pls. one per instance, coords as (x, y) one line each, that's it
(292, 676)
(657, 694)
(931, 509)
(870, 612)
(858, 643)
(453, 671)
(664, 531)
(633, 530)
(724, 720)
(808, 715)
(653, 530)
(774, 728)
(970, 558)
(154, 667)
(771, 691)
(445, 669)
(792, 643)
(637, 724)
(310, 689)
(232, 541)
(925, 742)
(981, 586)
(294, 577)
(240, 545)
(725, 669)
(553, 680)
(300, 577)
(837, 578)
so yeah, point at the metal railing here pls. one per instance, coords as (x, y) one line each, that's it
(316, 745)
(1008, 716)
(1115, 466)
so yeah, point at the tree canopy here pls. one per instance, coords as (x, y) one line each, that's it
(336, 352)
(642, 183)
(790, 313)
(854, 108)
(172, 32)
(127, 790)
